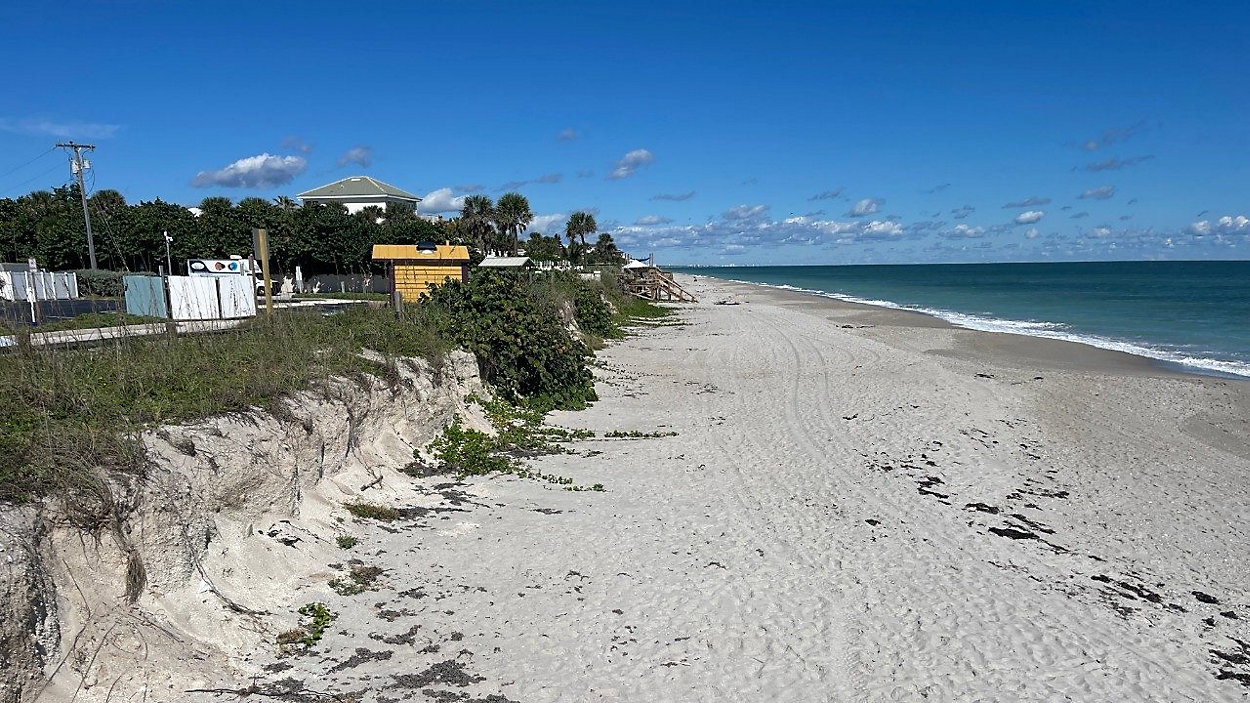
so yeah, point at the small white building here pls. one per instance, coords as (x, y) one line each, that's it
(357, 193)
(506, 262)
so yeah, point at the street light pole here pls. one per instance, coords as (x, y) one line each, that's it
(169, 263)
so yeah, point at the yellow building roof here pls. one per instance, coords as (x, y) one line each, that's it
(410, 252)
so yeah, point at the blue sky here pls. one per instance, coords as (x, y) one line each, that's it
(712, 133)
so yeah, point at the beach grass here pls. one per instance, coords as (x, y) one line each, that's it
(74, 413)
(74, 410)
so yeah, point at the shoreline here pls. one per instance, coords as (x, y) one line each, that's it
(804, 500)
(1089, 341)
(858, 504)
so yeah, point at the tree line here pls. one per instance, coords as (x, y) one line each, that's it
(320, 238)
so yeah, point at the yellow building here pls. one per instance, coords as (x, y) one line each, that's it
(415, 267)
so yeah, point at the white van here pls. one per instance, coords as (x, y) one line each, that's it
(234, 266)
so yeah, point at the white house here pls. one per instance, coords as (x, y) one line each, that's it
(357, 193)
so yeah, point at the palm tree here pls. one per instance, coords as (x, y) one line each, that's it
(477, 216)
(285, 203)
(513, 215)
(580, 224)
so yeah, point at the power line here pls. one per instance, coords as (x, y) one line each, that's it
(33, 178)
(24, 165)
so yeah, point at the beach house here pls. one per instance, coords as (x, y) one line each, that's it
(359, 192)
(413, 268)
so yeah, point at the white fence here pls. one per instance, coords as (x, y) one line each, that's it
(45, 285)
(211, 297)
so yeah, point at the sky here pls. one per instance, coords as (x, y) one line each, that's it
(719, 133)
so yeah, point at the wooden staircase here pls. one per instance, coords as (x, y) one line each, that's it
(656, 285)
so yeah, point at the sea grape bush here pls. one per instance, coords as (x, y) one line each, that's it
(522, 349)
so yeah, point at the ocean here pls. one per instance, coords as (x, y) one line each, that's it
(1194, 314)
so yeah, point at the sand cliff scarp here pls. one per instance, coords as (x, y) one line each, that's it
(180, 578)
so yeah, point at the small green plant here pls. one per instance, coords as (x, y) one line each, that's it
(359, 579)
(317, 619)
(346, 541)
(372, 511)
(635, 434)
(469, 452)
(520, 434)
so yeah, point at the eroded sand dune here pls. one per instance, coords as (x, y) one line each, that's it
(859, 505)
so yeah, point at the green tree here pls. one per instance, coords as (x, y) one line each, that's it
(580, 224)
(148, 222)
(512, 216)
(222, 231)
(119, 244)
(53, 222)
(605, 252)
(540, 247)
(477, 217)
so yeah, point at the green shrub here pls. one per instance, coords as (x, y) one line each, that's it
(592, 312)
(522, 348)
(468, 451)
(100, 283)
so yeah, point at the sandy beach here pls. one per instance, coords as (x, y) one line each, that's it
(859, 504)
(828, 502)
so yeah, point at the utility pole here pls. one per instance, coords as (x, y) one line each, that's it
(78, 165)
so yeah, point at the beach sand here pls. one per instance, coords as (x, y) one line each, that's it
(858, 504)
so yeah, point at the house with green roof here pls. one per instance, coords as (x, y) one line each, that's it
(359, 192)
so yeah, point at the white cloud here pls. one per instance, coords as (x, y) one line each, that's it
(1234, 225)
(361, 156)
(1031, 233)
(567, 135)
(440, 201)
(960, 213)
(549, 224)
(652, 220)
(1228, 224)
(1100, 193)
(260, 171)
(64, 130)
(1029, 217)
(744, 212)
(963, 231)
(879, 229)
(867, 206)
(630, 163)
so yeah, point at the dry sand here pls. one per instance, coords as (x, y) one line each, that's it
(859, 505)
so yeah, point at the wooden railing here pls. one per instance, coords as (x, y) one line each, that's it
(655, 285)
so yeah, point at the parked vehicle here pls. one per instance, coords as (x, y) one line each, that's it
(234, 266)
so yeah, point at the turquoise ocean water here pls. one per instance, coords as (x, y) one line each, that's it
(1192, 313)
